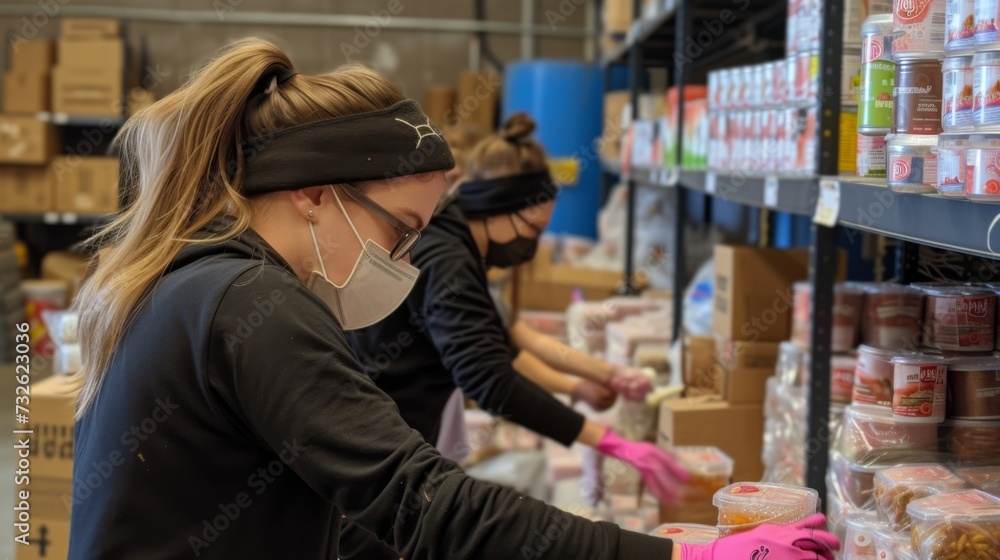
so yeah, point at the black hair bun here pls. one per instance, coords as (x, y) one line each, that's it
(518, 127)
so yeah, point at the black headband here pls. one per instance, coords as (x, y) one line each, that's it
(393, 142)
(504, 195)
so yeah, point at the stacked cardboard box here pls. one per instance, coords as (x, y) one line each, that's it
(26, 83)
(85, 185)
(48, 489)
(11, 296)
(89, 77)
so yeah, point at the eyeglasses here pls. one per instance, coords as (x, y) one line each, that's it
(536, 229)
(410, 236)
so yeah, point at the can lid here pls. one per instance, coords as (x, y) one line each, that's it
(917, 358)
(931, 476)
(983, 424)
(916, 57)
(985, 57)
(983, 363)
(758, 494)
(969, 505)
(877, 23)
(957, 62)
(704, 460)
(876, 351)
(941, 289)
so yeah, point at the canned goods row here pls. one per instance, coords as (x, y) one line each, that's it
(776, 83)
(955, 27)
(953, 165)
(764, 140)
(805, 21)
(971, 99)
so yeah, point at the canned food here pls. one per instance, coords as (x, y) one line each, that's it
(912, 163)
(779, 69)
(917, 96)
(952, 166)
(745, 85)
(959, 318)
(847, 160)
(974, 389)
(713, 90)
(878, 76)
(918, 28)
(806, 145)
(958, 94)
(719, 153)
(767, 83)
(986, 25)
(986, 91)
(919, 388)
(842, 377)
(792, 26)
(960, 24)
(806, 76)
(871, 157)
(983, 178)
(756, 96)
(725, 88)
(873, 377)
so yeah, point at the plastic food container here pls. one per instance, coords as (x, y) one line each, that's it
(952, 152)
(919, 388)
(744, 506)
(959, 318)
(986, 479)
(870, 162)
(887, 543)
(986, 25)
(872, 437)
(895, 488)
(918, 27)
(859, 543)
(687, 533)
(974, 389)
(960, 26)
(986, 94)
(847, 307)
(973, 441)
(855, 481)
(878, 72)
(911, 162)
(918, 95)
(958, 526)
(791, 368)
(710, 470)
(958, 94)
(873, 376)
(842, 377)
(892, 316)
(984, 164)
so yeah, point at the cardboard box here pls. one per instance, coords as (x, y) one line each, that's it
(25, 140)
(702, 514)
(700, 371)
(26, 189)
(86, 185)
(50, 497)
(743, 354)
(67, 267)
(612, 130)
(478, 95)
(139, 99)
(32, 57)
(51, 418)
(746, 386)
(738, 430)
(618, 16)
(89, 28)
(545, 286)
(97, 56)
(47, 540)
(78, 92)
(25, 92)
(753, 291)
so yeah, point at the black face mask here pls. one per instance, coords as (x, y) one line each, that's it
(512, 253)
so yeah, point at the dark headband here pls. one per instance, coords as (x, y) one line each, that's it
(393, 142)
(504, 195)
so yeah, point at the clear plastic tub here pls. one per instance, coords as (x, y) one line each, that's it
(873, 377)
(872, 437)
(983, 159)
(919, 388)
(974, 389)
(859, 543)
(973, 441)
(898, 486)
(959, 318)
(952, 169)
(957, 526)
(687, 533)
(911, 163)
(986, 105)
(888, 544)
(744, 506)
(956, 114)
(892, 316)
(791, 369)
(842, 368)
(986, 479)
(710, 470)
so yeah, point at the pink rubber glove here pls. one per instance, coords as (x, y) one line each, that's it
(800, 541)
(630, 383)
(661, 473)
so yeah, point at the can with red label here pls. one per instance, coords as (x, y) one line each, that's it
(806, 76)
(959, 318)
(983, 176)
(960, 25)
(745, 85)
(911, 163)
(986, 91)
(958, 94)
(918, 28)
(871, 157)
(987, 20)
(919, 388)
(952, 167)
(780, 78)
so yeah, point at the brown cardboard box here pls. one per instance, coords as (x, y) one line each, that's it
(439, 104)
(746, 386)
(139, 99)
(618, 16)
(545, 286)
(753, 291)
(25, 92)
(738, 430)
(25, 140)
(79, 92)
(478, 95)
(86, 185)
(89, 28)
(26, 189)
(48, 539)
(743, 354)
(702, 514)
(97, 56)
(51, 418)
(32, 57)
(612, 131)
(51, 497)
(67, 267)
(700, 371)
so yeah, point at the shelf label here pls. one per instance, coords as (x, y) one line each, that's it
(50, 218)
(771, 191)
(710, 182)
(69, 218)
(60, 118)
(828, 203)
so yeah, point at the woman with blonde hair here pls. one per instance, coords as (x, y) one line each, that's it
(223, 414)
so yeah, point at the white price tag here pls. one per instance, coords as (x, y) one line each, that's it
(710, 182)
(771, 191)
(50, 218)
(69, 218)
(60, 118)
(828, 203)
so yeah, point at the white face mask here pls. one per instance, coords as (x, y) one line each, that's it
(375, 288)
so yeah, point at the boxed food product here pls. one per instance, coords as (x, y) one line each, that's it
(871, 436)
(737, 430)
(957, 526)
(86, 185)
(974, 389)
(859, 542)
(986, 479)
(896, 487)
(553, 285)
(688, 533)
(26, 189)
(973, 441)
(710, 470)
(26, 140)
(745, 506)
(746, 386)
(623, 337)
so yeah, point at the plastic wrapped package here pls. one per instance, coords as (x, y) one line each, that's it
(586, 321)
(855, 481)
(745, 506)
(791, 368)
(636, 421)
(62, 326)
(859, 537)
(986, 479)
(623, 337)
(545, 322)
(973, 441)
(890, 544)
(838, 509)
(957, 526)
(698, 301)
(896, 487)
(872, 437)
(711, 470)
(687, 533)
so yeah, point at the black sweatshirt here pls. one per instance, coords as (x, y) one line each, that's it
(448, 334)
(235, 422)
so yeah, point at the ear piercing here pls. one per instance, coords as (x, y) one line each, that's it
(312, 214)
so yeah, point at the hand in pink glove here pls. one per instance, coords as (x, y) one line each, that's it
(661, 473)
(630, 383)
(800, 541)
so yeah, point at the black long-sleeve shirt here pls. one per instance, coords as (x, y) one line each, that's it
(448, 334)
(235, 422)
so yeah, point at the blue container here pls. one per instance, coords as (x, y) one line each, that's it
(566, 99)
